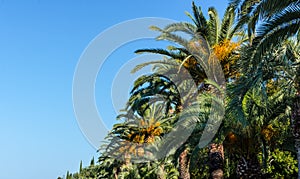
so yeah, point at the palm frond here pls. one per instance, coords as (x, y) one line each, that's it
(240, 24)
(214, 26)
(235, 3)
(274, 31)
(160, 51)
(169, 36)
(157, 64)
(199, 17)
(181, 26)
(271, 7)
(227, 22)
(247, 6)
(191, 17)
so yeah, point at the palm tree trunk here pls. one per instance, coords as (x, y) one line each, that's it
(297, 145)
(216, 161)
(184, 165)
(249, 168)
(296, 127)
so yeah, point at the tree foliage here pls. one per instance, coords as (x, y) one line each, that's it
(262, 119)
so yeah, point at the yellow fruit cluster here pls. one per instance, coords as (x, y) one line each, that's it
(224, 49)
(148, 129)
(132, 149)
(268, 132)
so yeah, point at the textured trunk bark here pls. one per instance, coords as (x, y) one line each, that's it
(249, 168)
(184, 165)
(297, 145)
(216, 161)
(296, 127)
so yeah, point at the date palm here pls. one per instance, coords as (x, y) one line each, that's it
(130, 143)
(217, 35)
(250, 12)
(261, 122)
(280, 21)
(177, 105)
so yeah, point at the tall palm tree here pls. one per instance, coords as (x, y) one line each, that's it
(258, 115)
(280, 21)
(164, 91)
(216, 37)
(185, 116)
(267, 91)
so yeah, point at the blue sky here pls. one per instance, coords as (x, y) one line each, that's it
(40, 45)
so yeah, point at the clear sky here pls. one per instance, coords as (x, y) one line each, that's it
(40, 44)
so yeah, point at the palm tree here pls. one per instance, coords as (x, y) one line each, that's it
(131, 143)
(161, 90)
(184, 115)
(216, 36)
(294, 71)
(265, 93)
(280, 21)
(251, 12)
(259, 129)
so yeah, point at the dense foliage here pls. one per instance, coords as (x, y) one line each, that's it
(256, 44)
